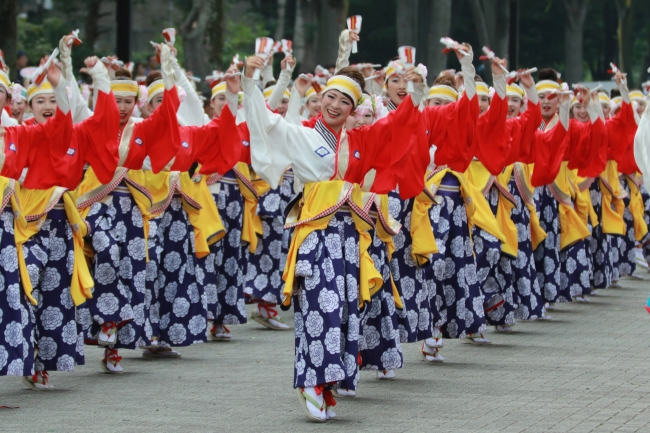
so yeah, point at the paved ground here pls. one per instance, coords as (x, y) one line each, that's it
(587, 370)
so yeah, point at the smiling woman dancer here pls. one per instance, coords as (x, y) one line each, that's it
(330, 225)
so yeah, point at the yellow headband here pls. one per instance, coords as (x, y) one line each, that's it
(155, 88)
(310, 92)
(218, 89)
(444, 92)
(617, 101)
(345, 85)
(574, 101)
(4, 81)
(515, 90)
(269, 90)
(124, 88)
(547, 86)
(637, 95)
(391, 69)
(482, 89)
(603, 97)
(34, 90)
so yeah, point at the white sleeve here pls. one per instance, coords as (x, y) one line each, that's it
(374, 88)
(190, 112)
(592, 110)
(267, 73)
(499, 82)
(269, 155)
(293, 110)
(278, 91)
(166, 67)
(532, 94)
(469, 72)
(78, 105)
(232, 99)
(61, 94)
(642, 147)
(275, 144)
(625, 92)
(345, 48)
(564, 114)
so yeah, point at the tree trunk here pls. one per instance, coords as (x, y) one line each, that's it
(625, 34)
(480, 23)
(306, 29)
(576, 12)
(438, 28)
(407, 22)
(497, 20)
(194, 35)
(215, 32)
(93, 8)
(9, 33)
(299, 34)
(279, 30)
(331, 20)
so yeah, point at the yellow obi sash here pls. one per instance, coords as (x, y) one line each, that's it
(523, 174)
(319, 203)
(252, 223)
(202, 212)
(572, 226)
(636, 207)
(584, 185)
(481, 178)
(35, 204)
(423, 241)
(386, 227)
(612, 205)
(197, 202)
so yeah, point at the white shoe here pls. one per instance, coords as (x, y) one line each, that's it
(40, 381)
(434, 343)
(476, 339)
(503, 328)
(616, 284)
(640, 260)
(636, 276)
(594, 292)
(107, 335)
(551, 306)
(160, 352)
(544, 317)
(579, 299)
(312, 403)
(386, 375)
(111, 362)
(329, 413)
(430, 355)
(267, 319)
(586, 299)
(342, 392)
(220, 333)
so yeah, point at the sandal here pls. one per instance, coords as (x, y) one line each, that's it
(220, 333)
(304, 398)
(111, 362)
(273, 321)
(434, 356)
(39, 381)
(108, 334)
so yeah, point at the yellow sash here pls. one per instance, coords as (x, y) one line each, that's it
(572, 227)
(523, 175)
(612, 205)
(252, 224)
(478, 175)
(35, 205)
(205, 218)
(637, 209)
(423, 241)
(319, 203)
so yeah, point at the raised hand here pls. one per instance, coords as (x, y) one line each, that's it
(252, 63)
